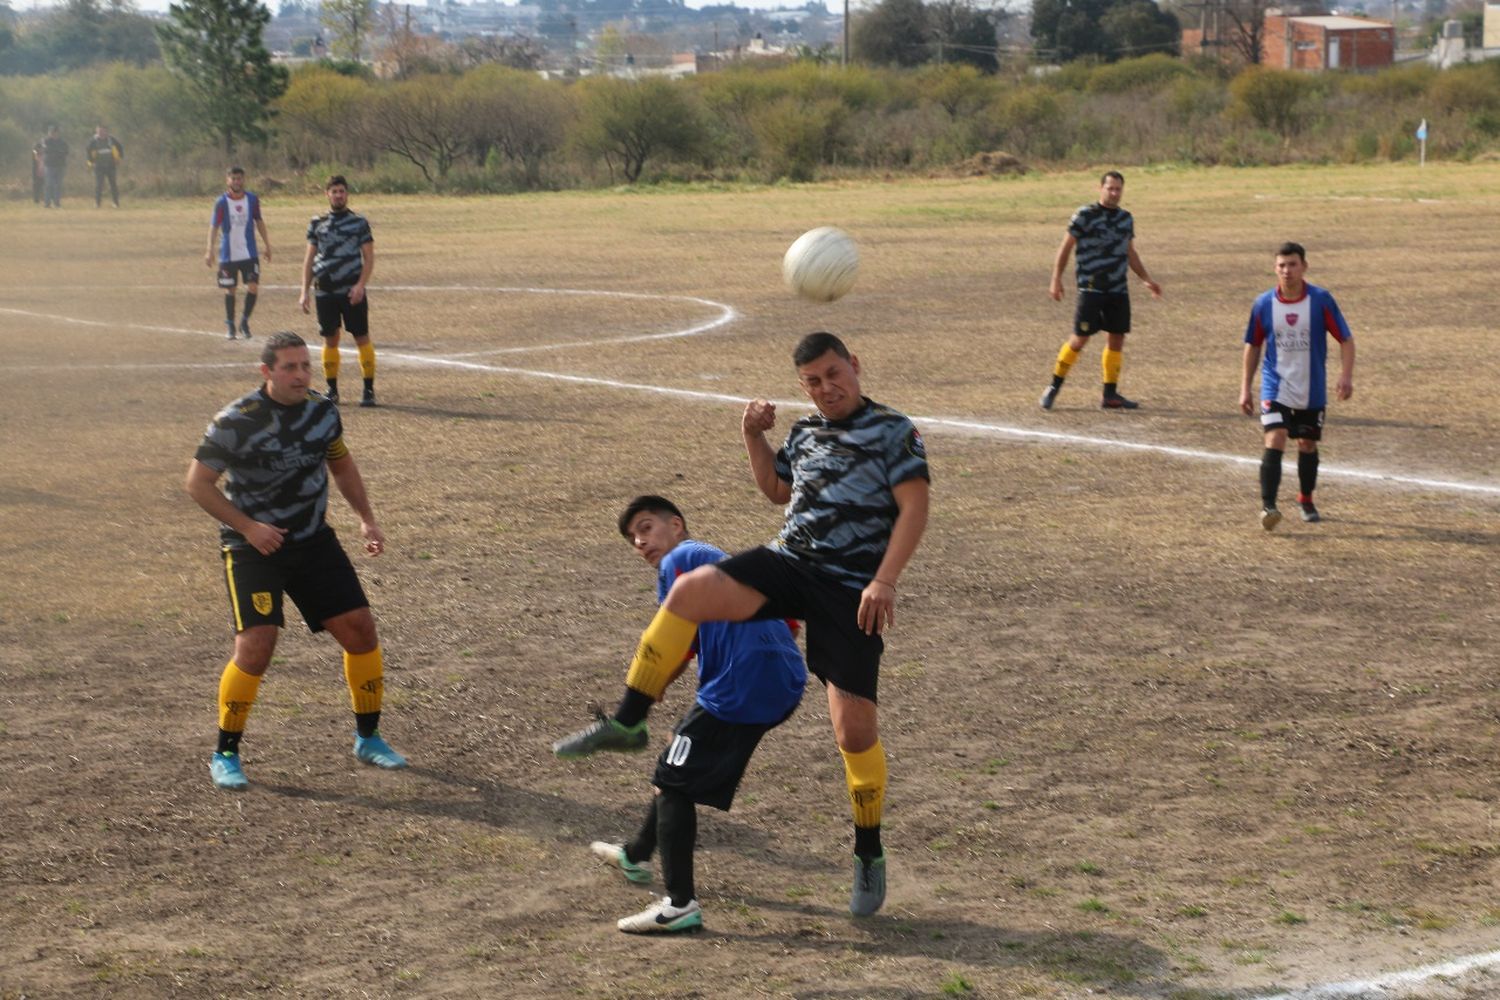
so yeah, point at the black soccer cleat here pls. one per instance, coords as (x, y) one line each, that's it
(1309, 512)
(230, 326)
(245, 328)
(1049, 396)
(1118, 402)
(368, 399)
(1270, 517)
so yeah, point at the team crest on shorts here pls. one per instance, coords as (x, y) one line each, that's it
(261, 601)
(1083, 327)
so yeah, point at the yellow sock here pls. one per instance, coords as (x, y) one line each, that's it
(865, 774)
(1065, 359)
(658, 658)
(365, 674)
(366, 359)
(236, 694)
(330, 362)
(1111, 361)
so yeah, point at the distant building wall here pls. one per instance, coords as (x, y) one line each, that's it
(1319, 43)
(1492, 26)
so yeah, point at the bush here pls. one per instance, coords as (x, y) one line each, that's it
(1150, 73)
(1274, 99)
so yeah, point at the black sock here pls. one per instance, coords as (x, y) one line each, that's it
(677, 831)
(633, 707)
(1057, 381)
(1111, 389)
(249, 306)
(229, 308)
(867, 842)
(644, 845)
(229, 742)
(369, 385)
(1307, 473)
(333, 385)
(366, 723)
(1270, 476)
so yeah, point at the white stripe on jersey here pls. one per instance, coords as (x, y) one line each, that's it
(1292, 328)
(237, 228)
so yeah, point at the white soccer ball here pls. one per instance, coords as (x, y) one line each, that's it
(821, 264)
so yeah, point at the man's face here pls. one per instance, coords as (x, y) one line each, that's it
(236, 182)
(101, 132)
(287, 380)
(832, 383)
(653, 534)
(338, 197)
(1289, 271)
(1111, 191)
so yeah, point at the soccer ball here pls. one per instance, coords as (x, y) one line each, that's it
(821, 264)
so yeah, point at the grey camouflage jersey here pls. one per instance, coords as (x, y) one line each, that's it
(338, 237)
(277, 460)
(1103, 253)
(842, 474)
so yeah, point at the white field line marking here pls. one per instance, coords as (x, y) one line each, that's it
(952, 423)
(1371, 988)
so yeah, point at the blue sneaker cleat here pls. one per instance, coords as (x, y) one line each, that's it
(225, 769)
(375, 750)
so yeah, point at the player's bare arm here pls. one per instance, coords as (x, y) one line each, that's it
(877, 602)
(367, 268)
(1247, 378)
(352, 486)
(1139, 268)
(307, 263)
(760, 417)
(265, 238)
(208, 255)
(202, 486)
(1060, 265)
(1345, 385)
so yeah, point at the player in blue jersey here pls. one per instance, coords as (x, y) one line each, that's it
(231, 232)
(1104, 235)
(279, 446)
(854, 478)
(750, 679)
(1291, 323)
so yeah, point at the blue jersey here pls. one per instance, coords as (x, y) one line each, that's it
(1294, 371)
(236, 219)
(843, 474)
(750, 672)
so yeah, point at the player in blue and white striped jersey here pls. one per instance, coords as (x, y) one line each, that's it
(1291, 323)
(233, 226)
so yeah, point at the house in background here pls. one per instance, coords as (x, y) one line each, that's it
(1326, 41)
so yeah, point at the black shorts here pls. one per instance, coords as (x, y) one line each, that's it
(1304, 424)
(838, 651)
(335, 311)
(315, 574)
(708, 756)
(1107, 311)
(232, 272)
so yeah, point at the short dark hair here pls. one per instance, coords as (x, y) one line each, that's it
(1111, 173)
(648, 502)
(1290, 249)
(279, 342)
(813, 346)
(236, 169)
(337, 180)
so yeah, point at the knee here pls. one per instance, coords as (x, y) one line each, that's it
(253, 648)
(689, 592)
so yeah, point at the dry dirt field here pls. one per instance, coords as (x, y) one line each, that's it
(1139, 747)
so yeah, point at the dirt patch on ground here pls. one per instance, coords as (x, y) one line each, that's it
(990, 165)
(1138, 747)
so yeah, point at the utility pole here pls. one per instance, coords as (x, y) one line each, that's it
(844, 61)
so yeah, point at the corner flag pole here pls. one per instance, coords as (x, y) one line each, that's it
(1422, 141)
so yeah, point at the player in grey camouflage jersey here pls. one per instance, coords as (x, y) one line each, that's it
(1104, 235)
(340, 258)
(279, 446)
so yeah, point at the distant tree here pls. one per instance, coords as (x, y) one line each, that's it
(516, 114)
(217, 47)
(628, 123)
(423, 121)
(515, 51)
(1065, 30)
(962, 33)
(403, 46)
(892, 33)
(348, 21)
